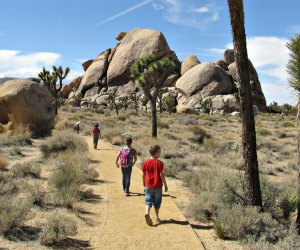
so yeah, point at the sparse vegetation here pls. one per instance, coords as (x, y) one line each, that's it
(57, 228)
(26, 170)
(3, 163)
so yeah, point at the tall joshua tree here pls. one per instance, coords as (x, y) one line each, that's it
(253, 190)
(293, 68)
(53, 81)
(148, 73)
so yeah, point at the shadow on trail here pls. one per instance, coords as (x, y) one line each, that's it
(177, 222)
(136, 194)
(202, 227)
(72, 244)
(89, 196)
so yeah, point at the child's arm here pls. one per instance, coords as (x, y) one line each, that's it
(135, 159)
(144, 181)
(117, 160)
(163, 178)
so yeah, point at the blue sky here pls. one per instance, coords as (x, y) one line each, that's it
(35, 33)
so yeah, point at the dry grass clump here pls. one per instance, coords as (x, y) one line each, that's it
(199, 134)
(13, 212)
(72, 172)
(64, 124)
(287, 124)
(3, 163)
(7, 184)
(15, 139)
(57, 228)
(28, 169)
(62, 141)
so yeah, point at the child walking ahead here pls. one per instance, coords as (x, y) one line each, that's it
(96, 135)
(153, 180)
(127, 157)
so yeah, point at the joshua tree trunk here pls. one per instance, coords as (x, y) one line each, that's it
(298, 202)
(253, 190)
(154, 118)
(56, 104)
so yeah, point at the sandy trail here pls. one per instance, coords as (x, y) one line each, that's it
(118, 221)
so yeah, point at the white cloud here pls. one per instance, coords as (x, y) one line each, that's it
(188, 13)
(125, 12)
(14, 63)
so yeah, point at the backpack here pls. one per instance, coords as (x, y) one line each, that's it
(125, 157)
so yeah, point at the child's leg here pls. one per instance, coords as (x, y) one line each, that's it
(148, 208)
(123, 178)
(157, 212)
(128, 177)
(158, 200)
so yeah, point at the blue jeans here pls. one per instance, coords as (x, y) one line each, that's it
(126, 172)
(153, 197)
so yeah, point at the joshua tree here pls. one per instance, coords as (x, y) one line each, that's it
(135, 100)
(53, 81)
(124, 100)
(147, 73)
(169, 102)
(293, 68)
(111, 100)
(252, 183)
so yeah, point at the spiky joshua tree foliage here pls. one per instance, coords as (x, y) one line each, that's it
(293, 69)
(149, 74)
(53, 81)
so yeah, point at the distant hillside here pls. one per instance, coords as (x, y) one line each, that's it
(2, 80)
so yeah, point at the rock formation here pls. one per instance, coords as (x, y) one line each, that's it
(24, 102)
(196, 84)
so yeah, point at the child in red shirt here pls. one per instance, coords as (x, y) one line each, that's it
(96, 135)
(153, 180)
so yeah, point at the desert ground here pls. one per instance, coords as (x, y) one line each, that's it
(202, 154)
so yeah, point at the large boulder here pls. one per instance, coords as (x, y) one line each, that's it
(226, 103)
(65, 91)
(93, 91)
(24, 102)
(229, 56)
(95, 72)
(87, 64)
(75, 83)
(258, 97)
(171, 80)
(135, 45)
(188, 63)
(207, 79)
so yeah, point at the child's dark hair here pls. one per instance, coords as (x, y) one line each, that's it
(154, 150)
(128, 141)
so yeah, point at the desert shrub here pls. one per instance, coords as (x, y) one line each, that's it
(241, 223)
(65, 124)
(13, 212)
(282, 135)
(288, 204)
(173, 155)
(110, 132)
(188, 120)
(10, 140)
(163, 125)
(3, 163)
(117, 141)
(199, 134)
(62, 141)
(7, 184)
(287, 124)
(123, 117)
(210, 144)
(174, 166)
(263, 132)
(220, 230)
(72, 172)
(37, 195)
(15, 150)
(171, 136)
(28, 169)
(203, 207)
(57, 228)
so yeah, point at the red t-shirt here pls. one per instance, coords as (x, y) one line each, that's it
(152, 169)
(96, 132)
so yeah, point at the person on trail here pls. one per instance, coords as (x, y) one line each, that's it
(96, 135)
(127, 157)
(153, 180)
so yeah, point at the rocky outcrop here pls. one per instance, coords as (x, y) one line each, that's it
(95, 73)
(229, 56)
(27, 103)
(188, 63)
(65, 91)
(135, 45)
(207, 79)
(87, 64)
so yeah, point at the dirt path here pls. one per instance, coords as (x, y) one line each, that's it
(119, 220)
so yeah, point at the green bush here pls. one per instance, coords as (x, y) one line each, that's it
(57, 228)
(287, 124)
(174, 166)
(163, 125)
(13, 212)
(220, 230)
(28, 169)
(62, 141)
(199, 134)
(264, 132)
(289, 204)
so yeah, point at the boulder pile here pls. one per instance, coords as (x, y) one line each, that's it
(194, 84)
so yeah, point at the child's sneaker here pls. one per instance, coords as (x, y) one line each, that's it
(148, 220)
